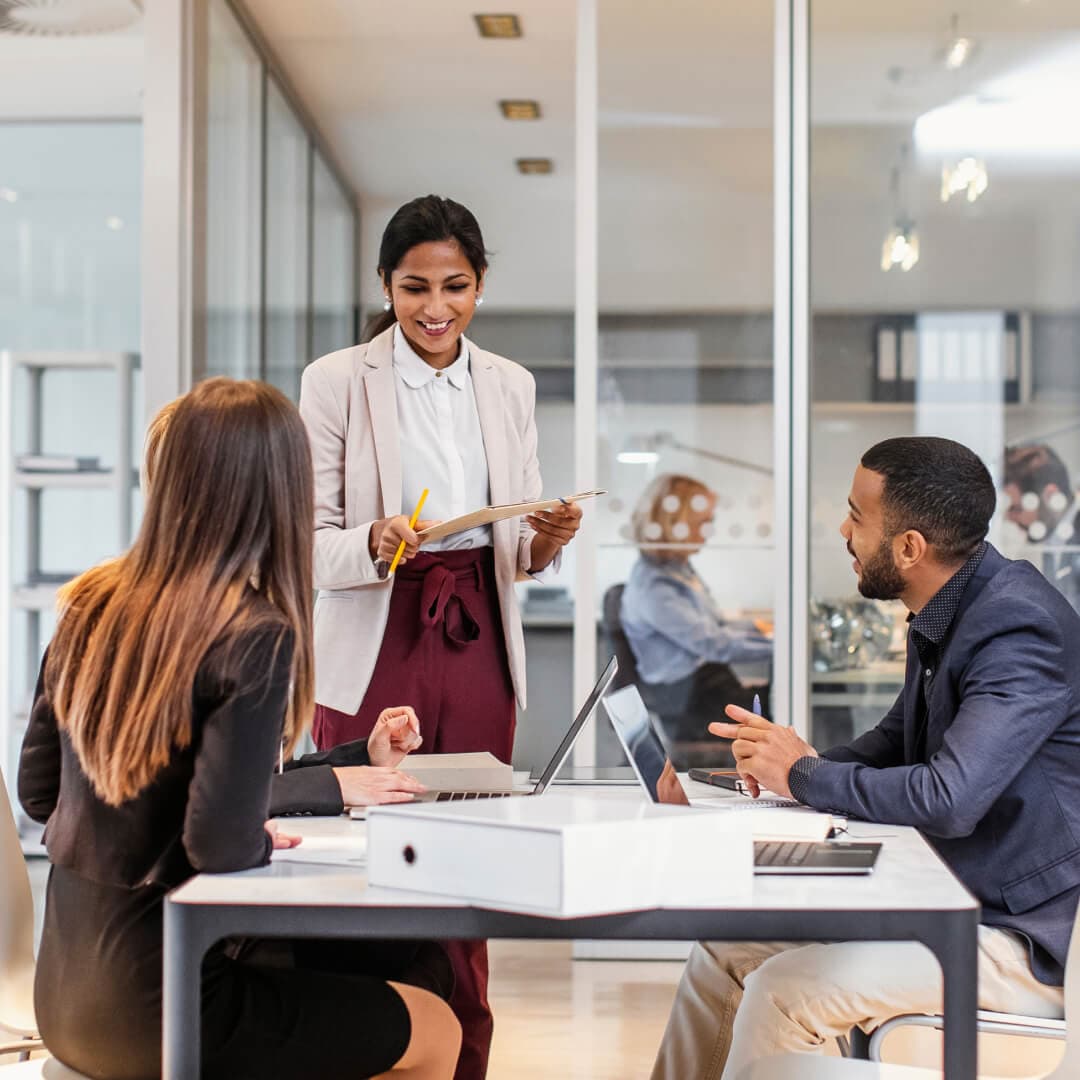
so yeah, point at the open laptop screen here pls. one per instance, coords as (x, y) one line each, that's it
(564, 748)
(641, 744)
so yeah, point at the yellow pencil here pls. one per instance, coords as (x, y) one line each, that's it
(412, 525)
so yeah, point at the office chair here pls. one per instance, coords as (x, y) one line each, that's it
(808, 1067)
(706, 751)
(18, 1028)
(618, 644)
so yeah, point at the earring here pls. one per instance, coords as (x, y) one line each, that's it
(479, 301)
(387, 304)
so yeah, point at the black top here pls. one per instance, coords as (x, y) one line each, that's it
(205, 810)
(98, 978)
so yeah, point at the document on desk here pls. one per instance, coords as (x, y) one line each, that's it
(488, 515)
(332, 850)
(774, 822)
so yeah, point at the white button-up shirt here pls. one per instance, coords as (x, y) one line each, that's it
(442, 446)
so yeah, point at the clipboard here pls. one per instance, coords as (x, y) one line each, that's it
(488, 515)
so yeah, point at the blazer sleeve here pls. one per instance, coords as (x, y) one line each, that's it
(881, 746)
(532, 485)
(229, 794)
(1013, 696)
(39, 762)
(308, 784)
(342, 558)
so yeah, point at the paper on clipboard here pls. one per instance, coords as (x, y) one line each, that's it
(490, 514)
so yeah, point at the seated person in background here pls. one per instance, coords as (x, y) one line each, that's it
(682, 644)
(1043, 504)
(979, 753)
(358, 773)
(174, 675)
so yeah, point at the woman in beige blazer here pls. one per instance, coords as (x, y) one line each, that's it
(418, 407)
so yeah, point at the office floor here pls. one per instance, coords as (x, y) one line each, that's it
(577, 1020)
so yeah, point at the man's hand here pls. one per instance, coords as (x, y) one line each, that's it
(668, 788)
(764, 752)
(368, 785)
(387, 533)
(554, 530)
(396, 733)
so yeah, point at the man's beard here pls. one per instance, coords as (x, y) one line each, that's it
(880, 579)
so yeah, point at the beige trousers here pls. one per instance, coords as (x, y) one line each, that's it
(741, 1001)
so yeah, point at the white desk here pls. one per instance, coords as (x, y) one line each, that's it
(910, 896)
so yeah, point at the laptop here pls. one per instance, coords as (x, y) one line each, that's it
(645, 752)
(562, 752)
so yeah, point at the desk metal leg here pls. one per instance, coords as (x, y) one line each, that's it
(181, 1010)
(954, 941)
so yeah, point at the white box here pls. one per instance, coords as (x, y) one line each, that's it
(563, 853)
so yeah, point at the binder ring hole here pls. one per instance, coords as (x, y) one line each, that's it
(408, 853)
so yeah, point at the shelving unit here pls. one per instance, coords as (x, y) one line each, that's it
(26, 591)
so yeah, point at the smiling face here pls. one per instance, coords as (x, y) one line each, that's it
(434, 291)
(864, 533)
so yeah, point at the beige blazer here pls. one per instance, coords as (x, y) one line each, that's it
(348, 403)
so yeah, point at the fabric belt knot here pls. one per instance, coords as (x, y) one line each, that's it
(440, 605)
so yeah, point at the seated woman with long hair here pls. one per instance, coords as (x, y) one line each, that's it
(683, 645)
(174, 675)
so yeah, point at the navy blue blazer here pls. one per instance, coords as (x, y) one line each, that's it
(997, 788)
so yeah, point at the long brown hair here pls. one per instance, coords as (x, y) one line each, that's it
(231, 502)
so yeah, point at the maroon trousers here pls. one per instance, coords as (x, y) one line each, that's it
(443, 652)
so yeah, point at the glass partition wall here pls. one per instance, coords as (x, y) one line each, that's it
(736, 246)
(945, 292)
(278, 247)
(685, 546)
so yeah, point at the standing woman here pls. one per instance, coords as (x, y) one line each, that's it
(417, 407)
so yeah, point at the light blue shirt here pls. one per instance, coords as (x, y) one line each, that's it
(674, 626)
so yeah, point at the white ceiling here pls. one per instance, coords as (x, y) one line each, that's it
(78, 77)
(405, 94)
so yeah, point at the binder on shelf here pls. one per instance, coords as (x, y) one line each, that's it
(57, 463)
(960, 357)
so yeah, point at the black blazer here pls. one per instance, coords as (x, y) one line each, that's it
(205, 810)
(309, 786)
(997, 789)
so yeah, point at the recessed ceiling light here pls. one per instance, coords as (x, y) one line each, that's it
(534, 166)
(498, 26)
(520, 110)
(959, 49)
(115, 223)
(9, 194)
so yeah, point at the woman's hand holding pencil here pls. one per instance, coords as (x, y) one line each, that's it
(393, 540)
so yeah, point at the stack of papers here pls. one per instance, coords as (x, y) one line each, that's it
(478, 771)
(333, 850)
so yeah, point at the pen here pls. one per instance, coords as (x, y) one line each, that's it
(412, 525)
(757, 704)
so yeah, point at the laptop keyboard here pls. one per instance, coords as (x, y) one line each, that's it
(464, 796)
(782, 853)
